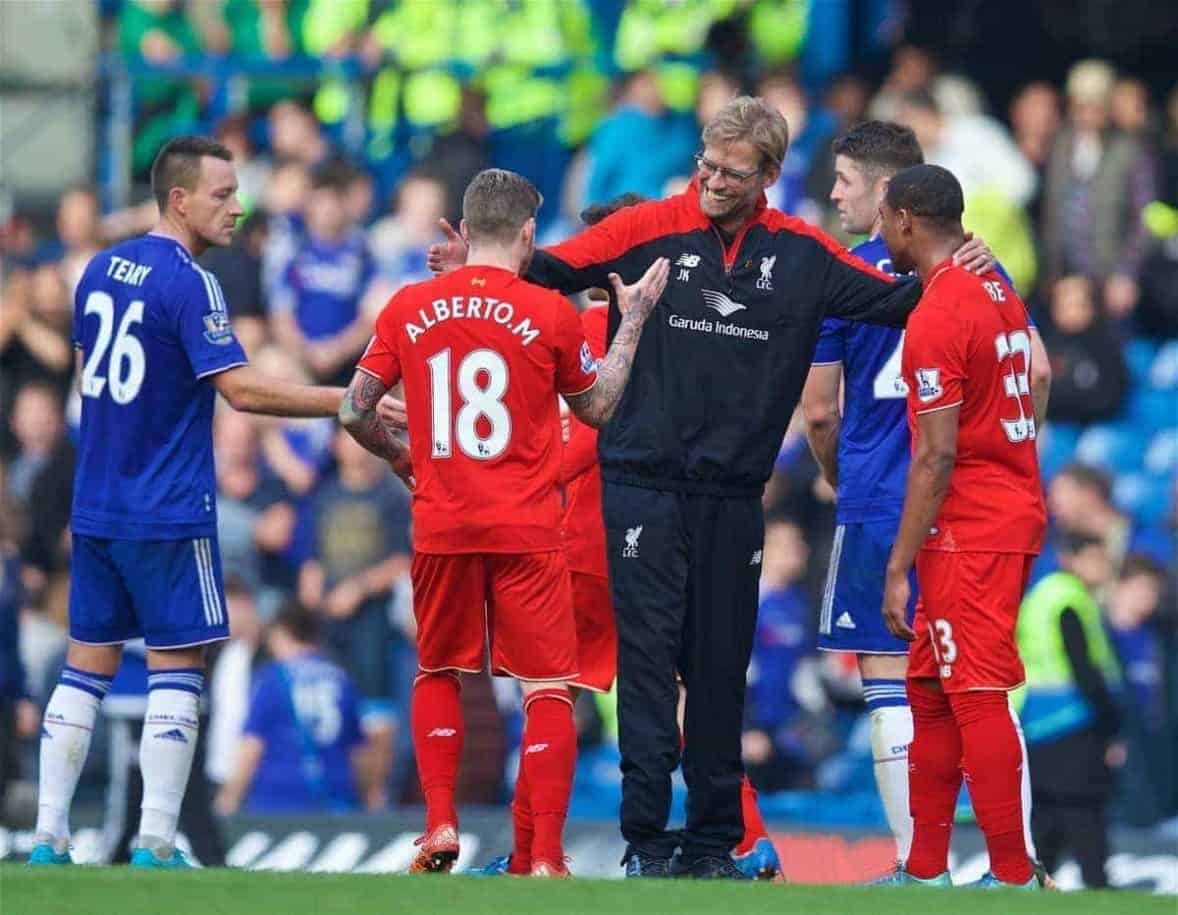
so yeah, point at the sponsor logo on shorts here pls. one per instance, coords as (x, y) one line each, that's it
(535, 748)
(757, 555)
(442, 732)
(845, 621)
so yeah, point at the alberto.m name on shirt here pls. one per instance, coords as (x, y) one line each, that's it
(723, 328)
(472, 308)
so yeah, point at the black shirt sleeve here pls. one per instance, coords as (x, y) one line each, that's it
(857, 292)
(1089, 680)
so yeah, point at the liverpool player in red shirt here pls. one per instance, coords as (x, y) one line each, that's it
(482, 355)
(973, 521)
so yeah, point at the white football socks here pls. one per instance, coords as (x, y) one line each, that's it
(170, 730)
(891, 733)
(65, 741)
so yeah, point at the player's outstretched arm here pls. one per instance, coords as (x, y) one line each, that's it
(928, 481)
(636, 302)
(249, 391)
(359, 415)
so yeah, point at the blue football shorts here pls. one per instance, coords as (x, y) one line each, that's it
(169, 592)
(852, 603)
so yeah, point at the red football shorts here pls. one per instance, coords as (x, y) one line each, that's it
(518, 604)
(597, 638)
(965, 619)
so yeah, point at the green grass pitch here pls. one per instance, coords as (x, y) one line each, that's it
(121, 891)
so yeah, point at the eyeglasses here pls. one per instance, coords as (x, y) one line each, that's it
(708, 168)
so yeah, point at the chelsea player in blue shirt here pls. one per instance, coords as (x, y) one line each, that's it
(864, 451)
(155, 345)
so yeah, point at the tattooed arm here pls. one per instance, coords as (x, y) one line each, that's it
(358, 414)
(636, 302)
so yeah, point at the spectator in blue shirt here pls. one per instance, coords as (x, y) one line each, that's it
(317, 307)
(641, 145)
(774, 753)
(302, 749)
(1140, 629)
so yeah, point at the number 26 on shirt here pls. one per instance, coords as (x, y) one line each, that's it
(128, 363)
(481, 380)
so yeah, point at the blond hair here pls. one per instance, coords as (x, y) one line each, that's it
(751, 120)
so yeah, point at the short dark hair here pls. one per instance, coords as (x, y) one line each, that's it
(1091, 477)
(921, 98)
(596, 212)
(298, 622)
(880, 148)
(929, 192)
(178, 165)
(498, 203)
(1139, 564)
(1069, 543)
(336, 174)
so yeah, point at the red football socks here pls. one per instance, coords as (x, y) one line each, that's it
(754, 826)
(934, 777)
(521, 826)
(993, 759)
(548, 758)
(437, 743)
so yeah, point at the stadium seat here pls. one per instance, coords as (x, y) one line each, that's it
(1164, 373)
(1056, 448)
(1161, 458)
(1139, 356)
(1119, 446)
(1147, 497)
(1151, 408)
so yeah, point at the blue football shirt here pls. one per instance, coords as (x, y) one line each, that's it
(874, 447)
(152, 327)
(324, 283)
(305, 710)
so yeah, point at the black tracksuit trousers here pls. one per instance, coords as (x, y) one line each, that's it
(684, 576)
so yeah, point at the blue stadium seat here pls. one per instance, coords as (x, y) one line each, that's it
(1056, 448)
(1151, 408)
(1139, 356)
(1161, 458)
(1147, 497)
(1118, 446)
(1164, 372)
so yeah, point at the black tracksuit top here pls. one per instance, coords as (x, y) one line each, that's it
(723, 358)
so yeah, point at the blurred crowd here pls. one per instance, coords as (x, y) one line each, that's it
(1075, 188)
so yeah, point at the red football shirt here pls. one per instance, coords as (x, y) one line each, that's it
(483, 355)
(584, 528)
(967, 344)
